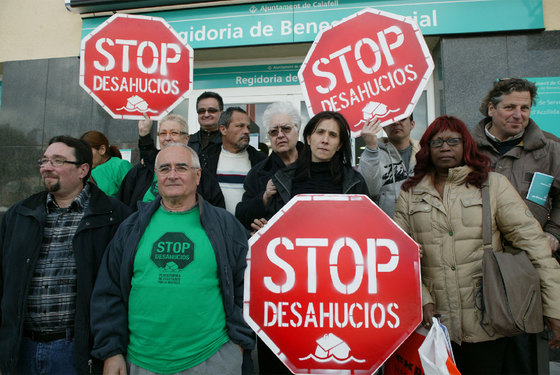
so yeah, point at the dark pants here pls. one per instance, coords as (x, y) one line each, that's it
(480, 358)
(521, 355)
(269, 364)
(44, 358)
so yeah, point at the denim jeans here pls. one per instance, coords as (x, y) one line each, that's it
(46, 358)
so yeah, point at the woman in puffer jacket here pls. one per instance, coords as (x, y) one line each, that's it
(441, 208)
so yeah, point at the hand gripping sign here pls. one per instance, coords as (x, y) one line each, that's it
(372, 63)
(135, 64)
(332, 285)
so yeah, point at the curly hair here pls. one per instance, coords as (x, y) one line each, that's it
(507, 86)
(471, 155)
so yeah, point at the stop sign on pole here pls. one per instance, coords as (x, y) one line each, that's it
(134, 64)
(372, 63)
(332, 284)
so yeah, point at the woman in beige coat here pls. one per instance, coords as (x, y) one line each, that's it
(441, 208)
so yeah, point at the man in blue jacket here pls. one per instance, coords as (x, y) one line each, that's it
(51, 245)
(169, 296)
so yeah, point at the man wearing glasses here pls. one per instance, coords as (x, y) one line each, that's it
(386, 163)
(169, 296)
(209, 107)
(140, 183)
(282, 121)
(518, 148)
(51, 245)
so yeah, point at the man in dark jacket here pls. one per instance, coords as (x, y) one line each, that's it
(209, 107)
(522, 152)
(51, 245)
(231, 161)
(140, 182)
(177, 245)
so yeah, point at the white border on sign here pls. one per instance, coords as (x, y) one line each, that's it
(184, 96)
(423, 81)
(247, 279)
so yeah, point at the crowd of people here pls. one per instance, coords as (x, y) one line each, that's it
(120, 269)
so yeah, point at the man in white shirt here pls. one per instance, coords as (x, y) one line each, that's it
(232, 160)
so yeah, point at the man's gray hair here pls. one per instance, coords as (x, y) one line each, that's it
(286, 108)
(195, 161)
(178, 119)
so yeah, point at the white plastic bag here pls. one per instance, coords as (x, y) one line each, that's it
(435, 352)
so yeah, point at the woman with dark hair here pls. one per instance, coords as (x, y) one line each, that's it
(108, 166)
(323, 166)
(441, 208)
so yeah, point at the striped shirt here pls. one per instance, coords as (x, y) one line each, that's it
(51, 302)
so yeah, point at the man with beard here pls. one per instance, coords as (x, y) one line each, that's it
(51, 245)
(386, 163)
(232, 160)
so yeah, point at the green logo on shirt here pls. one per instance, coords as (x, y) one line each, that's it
(173, 252)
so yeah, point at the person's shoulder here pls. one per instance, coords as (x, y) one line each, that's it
(251, 150)
(122, 163)
(498, 179)
(99, 199)
(31, 202)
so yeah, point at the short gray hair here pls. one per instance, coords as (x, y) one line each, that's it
(178, 119)
(195, 161)
(286, 108)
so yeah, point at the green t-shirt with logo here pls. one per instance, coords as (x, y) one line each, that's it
(176, 314)
(152, 191)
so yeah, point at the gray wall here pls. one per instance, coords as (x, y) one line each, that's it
(41, 99)
(470, 65)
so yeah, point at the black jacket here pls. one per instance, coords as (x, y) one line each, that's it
(251, 206)
(139, 179)
(21, 234)
(352, 183)
(211, 156)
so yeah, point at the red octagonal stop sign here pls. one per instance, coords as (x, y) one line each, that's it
(134, 64)
(332, 284)
(373, 63)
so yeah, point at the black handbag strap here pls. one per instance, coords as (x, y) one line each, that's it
(486, 216)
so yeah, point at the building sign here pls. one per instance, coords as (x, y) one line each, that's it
(299, 21)
(546, 113)
(246, 76)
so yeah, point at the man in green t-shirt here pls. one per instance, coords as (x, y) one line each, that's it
(170, 290)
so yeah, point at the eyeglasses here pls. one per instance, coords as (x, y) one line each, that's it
(437, 143)
(180, 168)
(172, 133)
(56, 162)
(286, 129)
(210, 110)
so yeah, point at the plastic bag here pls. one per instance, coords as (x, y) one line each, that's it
(406, 360)
(435, 352)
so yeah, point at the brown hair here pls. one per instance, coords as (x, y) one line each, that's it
(97, 139)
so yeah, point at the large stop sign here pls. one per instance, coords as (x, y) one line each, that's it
(372, 63)
(332, 284)
(135, 64)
